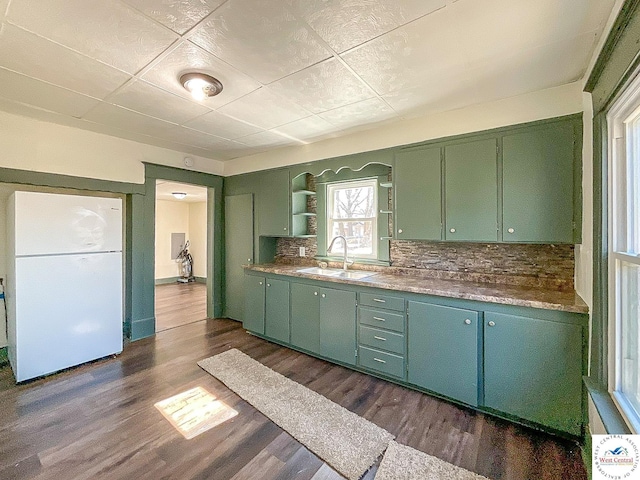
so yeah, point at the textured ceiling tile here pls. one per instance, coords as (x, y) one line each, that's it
(145, 98)
(107, 31)
(405, 57)
(343, 24)
(134, 122)
(188, 57)
(262, 39)
(361, 113)
(265, 109)
(43, 95)
(308, 128)
(37, 57)
(267, 139)
(218, 124)
(322, 87)
(198, 139)
(178, 15)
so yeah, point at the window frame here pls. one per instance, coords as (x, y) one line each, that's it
(361, 182)
(624, 111)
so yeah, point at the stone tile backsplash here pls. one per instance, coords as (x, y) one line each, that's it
(539, 266)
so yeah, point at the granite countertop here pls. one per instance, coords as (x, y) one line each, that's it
(483, 292)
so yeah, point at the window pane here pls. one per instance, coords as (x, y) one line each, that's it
(629, 275)
(633, 190)
(359, 237)
(353, 202)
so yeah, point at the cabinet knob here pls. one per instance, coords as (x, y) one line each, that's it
(452, 230)
(268, 284)
(248, 259)
(285, 229)
(323, 295)
(467, 322)
(492, 323)
(315, 293)
(260, 283)
(399, 230)
(510, 230)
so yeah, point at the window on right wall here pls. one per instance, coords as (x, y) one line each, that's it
(624, 253)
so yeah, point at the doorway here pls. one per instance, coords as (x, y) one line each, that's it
(180, 254)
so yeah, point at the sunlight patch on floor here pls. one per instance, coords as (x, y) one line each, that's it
(195, 411)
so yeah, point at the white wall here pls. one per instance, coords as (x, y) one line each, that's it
(198, 237)
(180, 217)
(171, 217)
(29, 144)
(553, 102)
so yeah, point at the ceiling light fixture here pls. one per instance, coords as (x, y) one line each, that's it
(179, 195)
(201, 85)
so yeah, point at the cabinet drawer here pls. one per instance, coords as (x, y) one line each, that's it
(382, 319)
(382, 339)
(387, 363)
(382, 301)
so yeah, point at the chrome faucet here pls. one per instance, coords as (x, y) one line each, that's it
(346, 261)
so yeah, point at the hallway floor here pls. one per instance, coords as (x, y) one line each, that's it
(179, 304)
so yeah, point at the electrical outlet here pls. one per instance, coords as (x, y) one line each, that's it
(302, 251)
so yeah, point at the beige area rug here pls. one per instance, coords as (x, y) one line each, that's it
(344, 440)
(405, 463)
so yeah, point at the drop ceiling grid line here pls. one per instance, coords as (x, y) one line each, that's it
(338, 58)
(9, 22)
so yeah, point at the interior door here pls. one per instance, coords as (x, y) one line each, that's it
(238, 221)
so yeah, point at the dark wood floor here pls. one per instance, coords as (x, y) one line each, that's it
(99, 420)
(180, 303)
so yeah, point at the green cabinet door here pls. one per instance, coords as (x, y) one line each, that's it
(538, 185)
(254, 305)
(533, 370)
(273, 203)
(416, 185)
(305, 317)
(338, 325)
(471, 191)
(238, 222)
(443, 350)
(276, 318)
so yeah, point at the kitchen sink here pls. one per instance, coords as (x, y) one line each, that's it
(337, 273)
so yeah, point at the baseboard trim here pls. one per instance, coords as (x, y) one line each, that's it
(201, 280)
(165, 281)
(143, 328)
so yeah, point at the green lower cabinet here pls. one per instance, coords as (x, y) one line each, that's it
(276, 319)
(338, 325)
(533, 370)
(254, 308)
(443, 350)
(305, 317)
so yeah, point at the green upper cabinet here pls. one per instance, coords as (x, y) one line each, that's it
(443, 350)
(273, 202)
(417, 190)
(533, 369)
(538, 184)
(471, 191)
(276, 318)
(338, 325)
(238, 222)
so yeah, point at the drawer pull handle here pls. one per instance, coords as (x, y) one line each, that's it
(380, 338)
(379, 319)
(379, 300)
(467, 322)
(378, 360)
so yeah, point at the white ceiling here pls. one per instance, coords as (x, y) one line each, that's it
(293, 71)
(165, 189)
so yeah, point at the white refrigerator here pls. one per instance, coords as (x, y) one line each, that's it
(64, 281)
